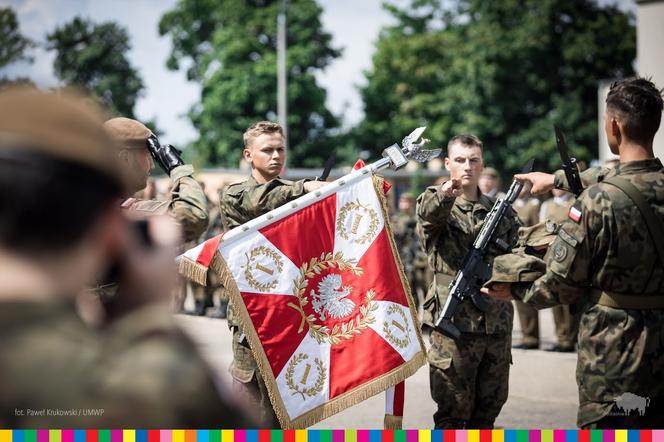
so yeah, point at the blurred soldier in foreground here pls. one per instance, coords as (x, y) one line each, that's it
(468, 377)
(565, 317)
(60, 227)
(265, 150)
(404, 225)
(609, 254)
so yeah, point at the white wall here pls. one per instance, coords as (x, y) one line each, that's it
(650, 50)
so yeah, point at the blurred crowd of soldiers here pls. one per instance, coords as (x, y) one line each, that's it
(88, 279)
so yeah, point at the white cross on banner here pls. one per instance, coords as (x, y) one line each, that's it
(323, 299)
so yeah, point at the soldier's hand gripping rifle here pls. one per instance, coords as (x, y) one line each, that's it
(570, 166)
(475, 271)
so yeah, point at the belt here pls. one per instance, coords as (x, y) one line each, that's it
(626, 301)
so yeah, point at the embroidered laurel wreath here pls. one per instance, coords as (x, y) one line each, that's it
(345, 330)
(320, 380)
(355, 206)
(251, 258)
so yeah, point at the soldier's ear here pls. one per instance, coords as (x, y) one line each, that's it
(447, 163)
(246, 154)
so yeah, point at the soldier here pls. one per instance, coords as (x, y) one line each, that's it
(527, 208)
(468, 377)
(60, 224)
(265, 150)
(137, 146)
(608, 255)
(414, 260)
(489, 183)
(565, 317)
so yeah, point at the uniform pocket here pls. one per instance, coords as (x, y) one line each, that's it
(440, 353)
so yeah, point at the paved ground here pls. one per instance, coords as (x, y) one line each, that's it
(543, 390)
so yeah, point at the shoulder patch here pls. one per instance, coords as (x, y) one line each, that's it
(569, 239)
(559, 252)
(575, 213)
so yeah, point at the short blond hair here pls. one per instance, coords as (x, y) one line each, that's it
(260, 128)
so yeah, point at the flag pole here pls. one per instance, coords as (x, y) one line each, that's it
(393, 156)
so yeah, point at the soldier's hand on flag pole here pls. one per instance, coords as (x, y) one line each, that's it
(310, 186)
(451, 188)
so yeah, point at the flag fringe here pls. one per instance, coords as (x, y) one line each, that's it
(193, 271)
(392, 422)
(365, 391)
(346, 400)
(378, 186)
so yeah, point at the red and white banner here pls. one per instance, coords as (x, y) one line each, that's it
(323, 300)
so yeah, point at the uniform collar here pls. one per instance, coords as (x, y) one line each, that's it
(484, 202)
(640, 166)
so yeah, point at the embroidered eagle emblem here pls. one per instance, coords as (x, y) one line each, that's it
(331, 299)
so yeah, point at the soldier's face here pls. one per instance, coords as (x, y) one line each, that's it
(267, 155)
(465, 163)
(139, 162)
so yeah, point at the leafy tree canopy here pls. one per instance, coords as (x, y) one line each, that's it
(229, 47)
(503, 70)
(94, 57)
(13, 45)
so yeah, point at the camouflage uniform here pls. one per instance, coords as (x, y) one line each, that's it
(404, 227)
(609, 249)
(52, 361)
(468, 377)
(240, 203)
(565, 317)
(527, 210)
(187, 205)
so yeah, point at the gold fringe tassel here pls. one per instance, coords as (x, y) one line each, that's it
(193, 271)
(392, 422)
(344, 401)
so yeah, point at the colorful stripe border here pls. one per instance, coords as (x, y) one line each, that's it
(331, 435)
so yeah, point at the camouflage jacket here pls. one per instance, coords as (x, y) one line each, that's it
(449, 227)
(621, 351)
(404, 228)
(242, 202)
(52, 362)
(187, 205)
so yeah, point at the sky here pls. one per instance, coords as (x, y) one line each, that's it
(354, 25)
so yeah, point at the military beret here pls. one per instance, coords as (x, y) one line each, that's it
(64, 125)
(130, 134)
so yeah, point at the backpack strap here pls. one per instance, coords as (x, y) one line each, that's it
(654, 225)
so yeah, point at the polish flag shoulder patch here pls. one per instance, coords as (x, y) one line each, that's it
(575, 212)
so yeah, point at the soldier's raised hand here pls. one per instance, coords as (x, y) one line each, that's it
(536, 182)
(451, 188)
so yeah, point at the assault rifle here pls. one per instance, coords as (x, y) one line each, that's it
(475, 271)
(569, 164)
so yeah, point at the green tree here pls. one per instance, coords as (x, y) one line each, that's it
(504, 70)
(13, 47)
(229, 47)
(94, 57)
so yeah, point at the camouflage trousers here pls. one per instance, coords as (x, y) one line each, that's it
(469, 378)
(249, 384)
